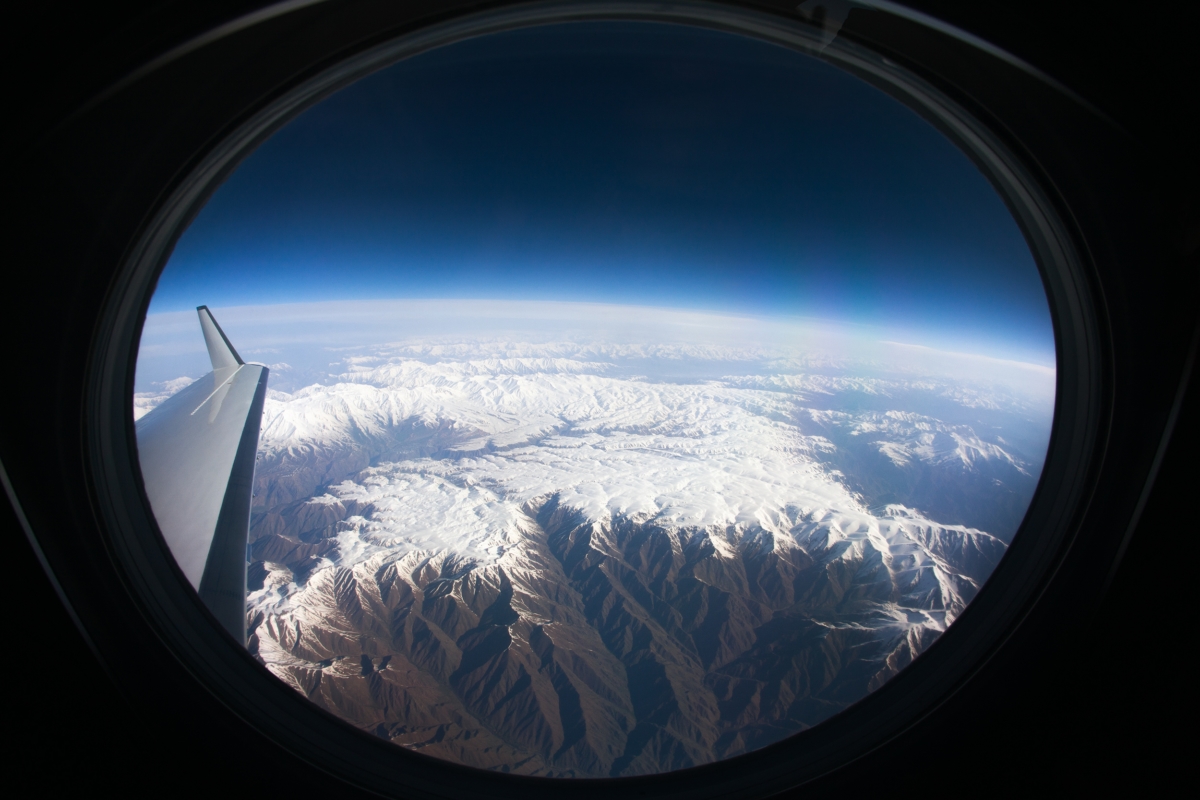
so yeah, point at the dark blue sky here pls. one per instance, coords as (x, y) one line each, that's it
(620, 162)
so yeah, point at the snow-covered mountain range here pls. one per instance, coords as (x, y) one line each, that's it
(592, 558)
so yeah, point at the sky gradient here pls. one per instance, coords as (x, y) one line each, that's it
(631, 163)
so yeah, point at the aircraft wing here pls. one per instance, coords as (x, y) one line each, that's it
(197, 452)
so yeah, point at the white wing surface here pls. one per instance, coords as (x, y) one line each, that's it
(197, 452)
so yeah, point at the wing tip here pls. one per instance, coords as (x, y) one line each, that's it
(220, 349)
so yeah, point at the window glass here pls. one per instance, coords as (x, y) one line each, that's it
(639, 395)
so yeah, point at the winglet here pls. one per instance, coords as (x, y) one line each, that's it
(219, 349)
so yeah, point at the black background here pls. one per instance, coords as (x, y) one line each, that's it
(1106, 705)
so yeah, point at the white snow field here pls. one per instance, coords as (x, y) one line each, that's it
(879, 483)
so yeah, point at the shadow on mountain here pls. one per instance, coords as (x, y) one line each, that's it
(609, 648)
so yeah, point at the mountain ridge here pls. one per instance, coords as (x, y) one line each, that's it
(592, 635)
(530, 559)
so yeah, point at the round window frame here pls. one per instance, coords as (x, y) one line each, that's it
(229, 671)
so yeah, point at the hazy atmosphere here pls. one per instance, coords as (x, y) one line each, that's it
(627, 163)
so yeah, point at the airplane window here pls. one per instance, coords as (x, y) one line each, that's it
(596, 399)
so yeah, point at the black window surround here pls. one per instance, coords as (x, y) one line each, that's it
(1038, 144)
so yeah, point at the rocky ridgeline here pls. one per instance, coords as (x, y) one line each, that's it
(604, 648)
(403, 578)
